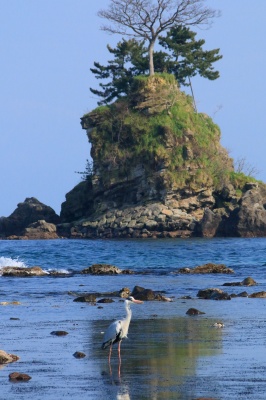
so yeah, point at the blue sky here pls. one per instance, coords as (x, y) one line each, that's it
(46, 50)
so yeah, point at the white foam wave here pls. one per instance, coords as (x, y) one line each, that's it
(58, 271)
(11, 262)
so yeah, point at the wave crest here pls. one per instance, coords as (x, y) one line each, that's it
(11, 262)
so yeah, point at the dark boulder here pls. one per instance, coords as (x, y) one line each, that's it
(194, 311)
(88, 298)
(79, 354)
(26, 213)
(105, 300)
(258, 295)
(213, 294)
(59, 333)
(140, 293)
(19, 377)
(246, 282)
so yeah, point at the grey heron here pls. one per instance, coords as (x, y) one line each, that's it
(118, 329)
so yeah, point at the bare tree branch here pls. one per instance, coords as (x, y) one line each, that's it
(147, 19)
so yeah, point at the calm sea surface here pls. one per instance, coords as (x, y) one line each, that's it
(168, 355)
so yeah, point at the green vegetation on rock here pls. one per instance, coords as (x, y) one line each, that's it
(157, 127)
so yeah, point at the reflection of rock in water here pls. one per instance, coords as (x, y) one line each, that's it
(161, 355)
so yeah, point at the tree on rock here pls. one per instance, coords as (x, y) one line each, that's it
(146, 19)
(184, 58)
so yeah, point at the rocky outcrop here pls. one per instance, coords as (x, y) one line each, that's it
(27, 213)
(209, 268)
(22, 272)
(213, 294)
(103, 269)
(40, 230)
(246, 282)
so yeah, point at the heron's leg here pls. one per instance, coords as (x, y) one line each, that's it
(119, 356)
(110, 352)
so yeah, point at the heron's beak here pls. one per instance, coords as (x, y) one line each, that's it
(137, 301)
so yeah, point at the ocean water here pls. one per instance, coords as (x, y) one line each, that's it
(168, 355)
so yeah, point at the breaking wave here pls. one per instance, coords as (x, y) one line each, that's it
(11, 262)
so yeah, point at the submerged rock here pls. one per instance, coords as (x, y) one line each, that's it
(59, 333)
(194, 311)
(106, 300)
(79, 354)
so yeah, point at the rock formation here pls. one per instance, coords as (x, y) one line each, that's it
(24, 221)
(159, 170)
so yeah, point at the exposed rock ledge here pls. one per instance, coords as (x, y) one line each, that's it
(196, 215)
(154, 220)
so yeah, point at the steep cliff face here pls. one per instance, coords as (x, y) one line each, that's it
(158, 169)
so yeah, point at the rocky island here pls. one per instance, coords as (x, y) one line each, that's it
(159, 170)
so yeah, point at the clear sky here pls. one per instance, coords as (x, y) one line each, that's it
(46, 50)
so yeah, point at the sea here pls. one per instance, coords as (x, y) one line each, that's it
(168, 354)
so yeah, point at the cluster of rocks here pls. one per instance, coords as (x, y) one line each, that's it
(138, 292)
(6, 358)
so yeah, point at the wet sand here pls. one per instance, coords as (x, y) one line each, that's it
(168, 355)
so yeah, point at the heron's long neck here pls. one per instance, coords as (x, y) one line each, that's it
(126, 321)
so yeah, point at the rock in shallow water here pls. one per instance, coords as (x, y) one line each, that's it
(17, 376)
(194, 311)
(79, 354)
(6, 358)
(213, 294)
(208, 268)
(23, 272)
(102, 269)
(59, 333)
